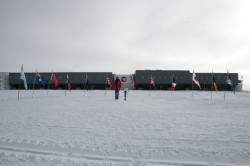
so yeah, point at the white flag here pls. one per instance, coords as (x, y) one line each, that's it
(195, 79)
(22, 77)
(152, 81)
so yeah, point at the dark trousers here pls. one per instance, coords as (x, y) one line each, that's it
(116, 93)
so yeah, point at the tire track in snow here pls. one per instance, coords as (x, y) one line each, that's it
(97, 158)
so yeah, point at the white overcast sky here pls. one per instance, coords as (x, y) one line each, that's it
(122, 36)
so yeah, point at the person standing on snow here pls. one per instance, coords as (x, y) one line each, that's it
(117, 86)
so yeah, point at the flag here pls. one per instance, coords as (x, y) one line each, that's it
(53, 78)
(195, 79)
(41, 80)
(230, 85)
(214, 84)
(173, 83)
(22, 77)
(132, 82)
(108, 82)
(87, 82)
(68, 83)
(152, 81)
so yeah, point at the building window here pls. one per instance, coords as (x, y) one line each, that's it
(98, 77)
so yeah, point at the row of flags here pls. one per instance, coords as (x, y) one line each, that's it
(230, 85)
(39, 79)
(152, 82)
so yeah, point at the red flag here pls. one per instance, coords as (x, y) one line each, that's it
(195, 79)
(108, 82)
(68, 83)
(173, 83)
(53, 78)
(132, 82)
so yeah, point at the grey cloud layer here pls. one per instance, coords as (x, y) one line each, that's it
(122, 36)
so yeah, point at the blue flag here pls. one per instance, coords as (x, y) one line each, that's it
(41, 80)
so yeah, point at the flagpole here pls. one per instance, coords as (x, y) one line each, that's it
(212, 85)
(150, 90)
(154, 84)
(107, 80)
(65, 89)
(173, 81)
(172, 85)
(225, 91)
(85, 84)
(224, 94)
(150, 84)
(65, 86)
(49, 85)
(192, 84)
(34, 84)
(105, 89)
(105, 84)
(19, 90)
(48, 88)
(19, 84)
(226, 85)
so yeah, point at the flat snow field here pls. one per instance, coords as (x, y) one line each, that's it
(182, 128)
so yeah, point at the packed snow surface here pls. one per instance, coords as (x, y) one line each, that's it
(150, 128)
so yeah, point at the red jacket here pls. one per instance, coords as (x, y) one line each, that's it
(117, 84)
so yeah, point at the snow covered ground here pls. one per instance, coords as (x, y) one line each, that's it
(150, 128)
